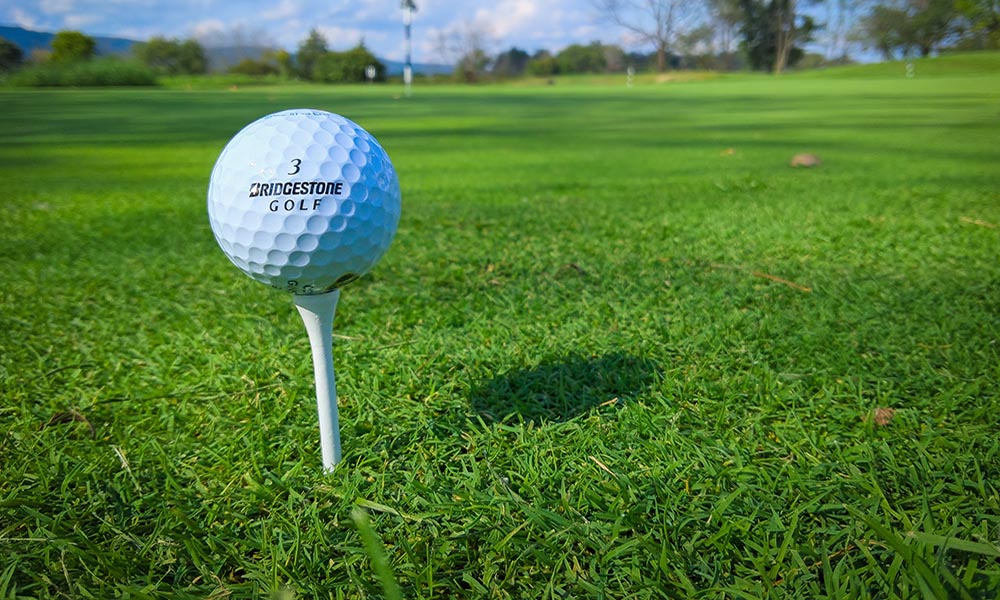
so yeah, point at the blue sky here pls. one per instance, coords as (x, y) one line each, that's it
(528, 24)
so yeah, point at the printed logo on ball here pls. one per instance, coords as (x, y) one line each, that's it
(297, 188)
(317, 189)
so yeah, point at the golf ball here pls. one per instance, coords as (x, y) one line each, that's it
(304, 201)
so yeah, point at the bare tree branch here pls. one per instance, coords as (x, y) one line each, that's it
(656, 22)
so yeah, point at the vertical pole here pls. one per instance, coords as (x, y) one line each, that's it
(408, 66)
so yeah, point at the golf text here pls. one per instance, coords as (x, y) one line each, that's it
(296, 188)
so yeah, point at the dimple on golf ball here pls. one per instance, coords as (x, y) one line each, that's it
(304, 201)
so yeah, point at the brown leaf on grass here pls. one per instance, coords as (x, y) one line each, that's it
(728, 152)
(70, 416)
(883, 415)
(805, 160)
(575, 267)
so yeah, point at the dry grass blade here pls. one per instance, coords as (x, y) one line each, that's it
(979, 222)
(70, 416)
(781, 280)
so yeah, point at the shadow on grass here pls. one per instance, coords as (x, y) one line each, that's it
(563, 389)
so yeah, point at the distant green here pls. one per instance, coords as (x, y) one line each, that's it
(619, 348)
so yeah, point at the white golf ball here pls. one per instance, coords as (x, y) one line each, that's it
(304, 201)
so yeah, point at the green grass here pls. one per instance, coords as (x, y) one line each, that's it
(606, 357)
(985, 64)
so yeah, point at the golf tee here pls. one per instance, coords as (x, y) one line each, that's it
(317, 313)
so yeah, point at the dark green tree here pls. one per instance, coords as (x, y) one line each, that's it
(577, 58)
(882, 29)
(511, 63)
(311, 50)
(913, 27)
(11, 55)
(172, 56)
(931, 24)
(348, 67)
(773, 32)
(543, 64)
(283, 59)
(192, 58)
(981, 22)
(472, 65)
(72, 46)
(256, 68)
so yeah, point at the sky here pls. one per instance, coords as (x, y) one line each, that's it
(528, 24)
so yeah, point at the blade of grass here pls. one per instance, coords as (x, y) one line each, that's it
(376, 554)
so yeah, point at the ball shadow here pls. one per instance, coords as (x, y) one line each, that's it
(563, 389)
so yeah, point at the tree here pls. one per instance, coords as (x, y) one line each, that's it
(931, 24)
(543, 64)
(11, 55)
(772, 32)
(577, 58)
(472, 64)
(72, 46)
(348, 67)
(656, 22)
(283, 59)
(465, 47)
(511, 63)
(881, 29)
(841, 16)
(695, 47)
(309, 54)
(981, 20)
(726, 16)
(234, 43)
(914, 26)
(192, 58)
(172, 56)
(255, 68)
(614, 58)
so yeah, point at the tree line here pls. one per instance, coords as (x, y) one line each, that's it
(764, 35)
(314, 61)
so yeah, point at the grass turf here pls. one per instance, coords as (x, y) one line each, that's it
(619, 349)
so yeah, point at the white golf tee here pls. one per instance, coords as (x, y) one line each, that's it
(317, 313)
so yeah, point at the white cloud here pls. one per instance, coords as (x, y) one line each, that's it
(529, 24)
(23, 19)
(207, 29)
(341, 38)
(80, 21)
(56, 7)
(507, 17)
(285, 9)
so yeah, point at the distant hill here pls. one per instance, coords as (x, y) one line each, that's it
(219, 59)
(393, 67)
(30, 40)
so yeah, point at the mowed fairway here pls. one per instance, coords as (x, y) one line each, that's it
(619, 349)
